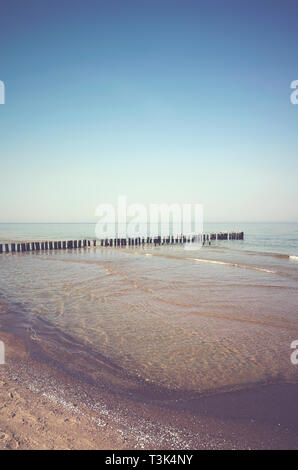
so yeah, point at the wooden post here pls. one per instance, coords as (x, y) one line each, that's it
(18, 247)
(13, 247)
(94, 242)
(42, 246)
(55, 245)
(75, 244)
(84, 243)
(28, 248)
(23, 247)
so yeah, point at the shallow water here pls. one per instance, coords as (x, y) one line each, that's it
(196, 320)
(260, 237)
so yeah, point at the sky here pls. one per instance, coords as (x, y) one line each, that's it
(163, 101)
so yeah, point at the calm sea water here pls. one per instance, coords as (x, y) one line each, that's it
(218, 317)
(267, 237)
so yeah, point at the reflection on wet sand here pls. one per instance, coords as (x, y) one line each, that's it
(207, 321)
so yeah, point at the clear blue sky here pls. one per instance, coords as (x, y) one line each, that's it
(160, 100)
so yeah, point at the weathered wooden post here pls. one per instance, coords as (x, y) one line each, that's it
(94, 242)
(18, 247)
(13, 247)
(28, 248)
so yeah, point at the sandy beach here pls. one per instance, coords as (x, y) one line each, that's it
(148, 225)
(33, 419)
(43, 408)
(103, 352)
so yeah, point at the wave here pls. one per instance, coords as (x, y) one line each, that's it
(237, 265)
(211, 261)
(270, 254)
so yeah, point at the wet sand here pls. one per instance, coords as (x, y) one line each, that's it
(115, 350)
(42, 407)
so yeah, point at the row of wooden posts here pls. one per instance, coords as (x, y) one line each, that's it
(74, 244)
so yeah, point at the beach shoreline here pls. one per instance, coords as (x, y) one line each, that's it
(44, 408)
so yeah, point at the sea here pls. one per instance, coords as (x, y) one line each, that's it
(187, 320)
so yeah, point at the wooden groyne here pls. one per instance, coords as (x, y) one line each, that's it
(204, 239)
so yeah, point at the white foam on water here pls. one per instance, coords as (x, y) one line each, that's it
(242, 266)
